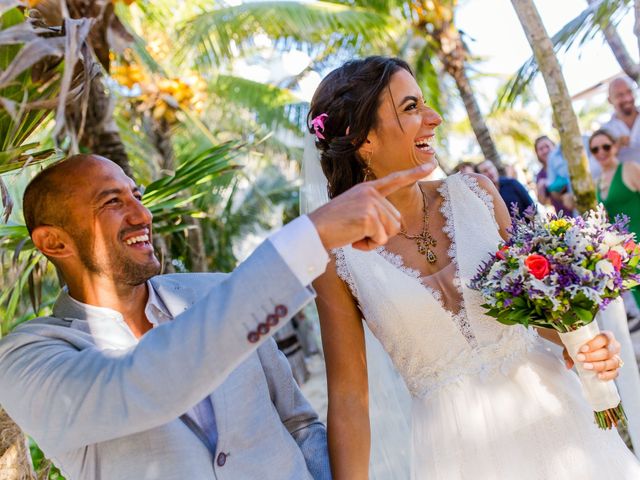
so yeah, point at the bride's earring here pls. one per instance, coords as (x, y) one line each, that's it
(368, 173)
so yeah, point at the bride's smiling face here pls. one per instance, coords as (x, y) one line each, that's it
(405, 133)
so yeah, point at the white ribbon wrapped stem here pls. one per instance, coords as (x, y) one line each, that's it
(601, 395)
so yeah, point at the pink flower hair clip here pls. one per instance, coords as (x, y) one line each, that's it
(318, 125)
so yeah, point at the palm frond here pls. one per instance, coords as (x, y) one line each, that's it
(25, 269)
(38, 75)
(382, 6)
(171, 197)
(273, 106)
(222, 32)
(581, 29)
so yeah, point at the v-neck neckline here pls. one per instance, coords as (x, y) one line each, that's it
(397, 262)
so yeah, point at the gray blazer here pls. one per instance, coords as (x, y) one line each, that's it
(104, 406)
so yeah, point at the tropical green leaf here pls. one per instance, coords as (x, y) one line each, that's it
(273, 106)
(221, 32)
(172, 196)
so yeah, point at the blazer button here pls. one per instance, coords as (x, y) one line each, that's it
(272, 320)
(263, 329)
(222, 459)
(281, 311)
(253, 337)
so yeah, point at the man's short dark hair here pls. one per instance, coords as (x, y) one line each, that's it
(43, 200)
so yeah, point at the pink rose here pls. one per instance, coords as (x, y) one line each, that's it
(630, 246)
(615, 258)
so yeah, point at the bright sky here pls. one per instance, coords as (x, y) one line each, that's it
(499, 38)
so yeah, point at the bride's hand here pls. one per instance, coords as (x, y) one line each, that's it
(600, 354)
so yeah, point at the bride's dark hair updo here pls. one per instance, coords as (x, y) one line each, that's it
(350, 96)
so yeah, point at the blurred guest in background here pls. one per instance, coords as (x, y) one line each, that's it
(618, 188)
(543, 147)
(624, 123)
(465, 167)
(511, 190)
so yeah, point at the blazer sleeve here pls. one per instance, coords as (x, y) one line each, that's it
(297, 415)
(68, 397)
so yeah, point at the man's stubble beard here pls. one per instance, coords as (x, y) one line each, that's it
(629, 111)
(118, 266)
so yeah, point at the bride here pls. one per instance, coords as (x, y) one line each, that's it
(487, 401)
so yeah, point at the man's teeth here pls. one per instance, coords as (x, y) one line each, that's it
(138, 239)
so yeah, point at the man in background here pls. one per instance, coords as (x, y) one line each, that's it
(511, 190)
(624, 123)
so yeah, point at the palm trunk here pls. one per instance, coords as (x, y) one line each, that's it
(564, 116)
(631, 68)
(15, 460)
(100, 134)
(453, 60)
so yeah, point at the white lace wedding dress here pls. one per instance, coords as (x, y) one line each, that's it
(488, 401)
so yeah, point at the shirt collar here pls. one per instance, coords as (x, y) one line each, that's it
(107, 326)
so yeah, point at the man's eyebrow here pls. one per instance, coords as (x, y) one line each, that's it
(114, 191)
(106, 193)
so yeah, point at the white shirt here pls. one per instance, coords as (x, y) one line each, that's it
(630, 153)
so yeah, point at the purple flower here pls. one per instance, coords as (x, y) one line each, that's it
(566, 276)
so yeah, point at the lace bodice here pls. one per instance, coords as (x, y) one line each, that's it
(434, 329)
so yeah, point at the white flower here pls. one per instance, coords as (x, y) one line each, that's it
(576, 240)
(605, 267)
(583, 273)
(611, 239)
(496, 270)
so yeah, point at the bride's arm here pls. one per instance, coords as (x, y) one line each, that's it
(344, 349)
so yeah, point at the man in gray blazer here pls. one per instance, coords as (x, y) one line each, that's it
(140, 376)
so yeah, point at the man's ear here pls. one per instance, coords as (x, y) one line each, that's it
(52, 241)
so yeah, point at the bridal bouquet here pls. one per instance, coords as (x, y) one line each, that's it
(558, 273)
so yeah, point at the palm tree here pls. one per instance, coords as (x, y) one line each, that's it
(436, 21)
(166, 104)
(94, 125)
(601, 16)
(337, 30)
(628, 65)
(564, 117)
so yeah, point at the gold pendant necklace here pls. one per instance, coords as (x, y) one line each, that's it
(424, 240)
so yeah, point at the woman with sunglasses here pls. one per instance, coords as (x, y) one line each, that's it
(618, 187)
